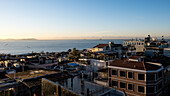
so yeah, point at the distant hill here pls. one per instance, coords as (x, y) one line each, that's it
(21, 39)
(28, 39)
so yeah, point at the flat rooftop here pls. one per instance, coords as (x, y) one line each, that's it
(80, 86)
(42, 65)
(30, 74)
(7, 83)
(167, 48)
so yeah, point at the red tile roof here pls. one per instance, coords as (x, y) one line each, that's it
(134, 65)
(100, 45)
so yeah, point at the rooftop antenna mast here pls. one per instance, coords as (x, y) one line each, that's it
(162, 37)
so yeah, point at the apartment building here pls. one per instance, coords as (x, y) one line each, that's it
(136, 78)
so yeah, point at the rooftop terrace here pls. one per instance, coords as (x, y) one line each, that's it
(30, 74)
(80, 87)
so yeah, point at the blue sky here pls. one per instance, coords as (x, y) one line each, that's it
(63, 19)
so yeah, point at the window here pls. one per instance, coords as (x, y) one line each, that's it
(150, 89)
(141, 76)
(130, 86)
(122, 85)
(114, 72)
(122, 74)
(150, 77)
(141, 89)
(130, 75)
(106, 63)
(159, 74)
(159, 86)
(114, 83)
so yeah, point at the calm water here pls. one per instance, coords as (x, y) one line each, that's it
(23, 46)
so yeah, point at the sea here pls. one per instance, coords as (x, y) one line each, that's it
(27, 46)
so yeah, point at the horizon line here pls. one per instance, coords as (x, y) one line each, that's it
(81, 39)
(85, 38)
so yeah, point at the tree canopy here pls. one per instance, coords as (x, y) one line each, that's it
(74, 55)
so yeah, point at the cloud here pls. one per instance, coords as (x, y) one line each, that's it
(103, 32)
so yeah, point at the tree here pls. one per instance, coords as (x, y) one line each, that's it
(74, 55)
(69, 50)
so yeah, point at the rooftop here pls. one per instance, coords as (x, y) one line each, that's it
(73, 64)
(30, 74)
(44, 66)
(134, 65)
(77, 84)
(100, 46)
(7, 84)
(32, 83)
(167, 48)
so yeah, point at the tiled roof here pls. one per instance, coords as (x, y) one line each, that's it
(100, 45)
(134, 65)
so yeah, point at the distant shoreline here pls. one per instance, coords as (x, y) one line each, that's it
(20, 39)
(70, 39)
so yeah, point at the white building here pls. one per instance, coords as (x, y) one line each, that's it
(95, 64)
(133, 42)
(140, 48)
(107, 48)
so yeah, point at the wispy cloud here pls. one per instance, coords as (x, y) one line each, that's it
(103, 32)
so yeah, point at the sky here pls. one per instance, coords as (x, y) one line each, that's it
(84, 19)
